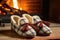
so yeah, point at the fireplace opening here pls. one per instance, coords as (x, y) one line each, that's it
(19, 7)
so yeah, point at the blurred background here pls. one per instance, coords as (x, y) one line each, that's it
(46, 9)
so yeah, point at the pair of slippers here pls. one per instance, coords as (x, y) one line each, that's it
(29, 26)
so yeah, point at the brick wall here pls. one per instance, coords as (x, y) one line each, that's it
(32, 6)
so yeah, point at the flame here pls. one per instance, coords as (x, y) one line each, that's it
(15, 4)
(20, 8)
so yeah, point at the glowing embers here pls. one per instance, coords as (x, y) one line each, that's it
(2, 13)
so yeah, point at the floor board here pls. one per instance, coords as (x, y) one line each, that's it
(9, 35)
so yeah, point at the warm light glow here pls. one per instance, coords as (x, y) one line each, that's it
(20, 8)
(15, 4)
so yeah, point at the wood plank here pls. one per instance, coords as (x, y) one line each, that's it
(9, 35)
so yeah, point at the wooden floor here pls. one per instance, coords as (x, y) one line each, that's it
(9, 35)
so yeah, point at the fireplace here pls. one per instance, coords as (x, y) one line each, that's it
(19, 7)
(32, 7)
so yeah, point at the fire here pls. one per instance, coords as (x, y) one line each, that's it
(15, 4)
(20, 8)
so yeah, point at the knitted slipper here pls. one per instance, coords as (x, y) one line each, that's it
(42, 28)
(22, 27)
